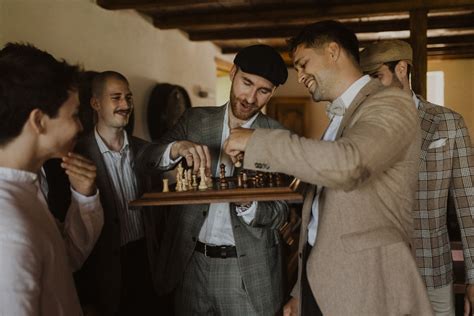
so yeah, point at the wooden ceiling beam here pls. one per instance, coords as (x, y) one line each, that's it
(304, 13)
(446, 41)
(153, 5)
(437, 22)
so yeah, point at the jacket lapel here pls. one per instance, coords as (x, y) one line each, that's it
(369, 88)
(212, 134)
(429, 122)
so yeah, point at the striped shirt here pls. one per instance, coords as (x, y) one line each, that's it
(120, 169)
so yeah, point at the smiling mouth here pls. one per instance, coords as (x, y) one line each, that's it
(123, 112)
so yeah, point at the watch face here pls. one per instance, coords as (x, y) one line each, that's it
(167, 104)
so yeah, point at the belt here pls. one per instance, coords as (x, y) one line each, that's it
(216, 251)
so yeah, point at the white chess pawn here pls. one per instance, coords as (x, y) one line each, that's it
(202, 184)
(165, 185)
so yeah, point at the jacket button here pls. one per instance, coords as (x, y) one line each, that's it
(204, 213)
(194, 238)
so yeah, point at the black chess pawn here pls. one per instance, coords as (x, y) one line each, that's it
(222, 180)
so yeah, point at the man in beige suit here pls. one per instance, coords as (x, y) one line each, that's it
(354, 253)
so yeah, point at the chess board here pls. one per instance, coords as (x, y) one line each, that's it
(287, 189)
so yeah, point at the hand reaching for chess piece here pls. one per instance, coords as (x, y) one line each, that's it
(235, 144)
(196, 155)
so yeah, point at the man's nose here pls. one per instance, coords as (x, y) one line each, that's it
(251, 96)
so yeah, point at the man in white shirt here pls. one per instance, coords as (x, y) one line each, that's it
(222, 258)
(446, 168)
(354, 248)
(116, 279)
(38, 111)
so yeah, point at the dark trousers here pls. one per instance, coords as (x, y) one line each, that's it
(137, 293)
(309, 307)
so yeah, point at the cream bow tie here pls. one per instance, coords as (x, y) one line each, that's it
(335, 108)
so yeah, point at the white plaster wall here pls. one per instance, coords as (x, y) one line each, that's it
(82, 32)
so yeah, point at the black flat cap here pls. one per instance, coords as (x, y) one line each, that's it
(263, 61)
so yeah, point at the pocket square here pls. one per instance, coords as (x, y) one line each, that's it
(437, 143)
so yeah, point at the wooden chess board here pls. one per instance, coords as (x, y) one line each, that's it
(288, 189)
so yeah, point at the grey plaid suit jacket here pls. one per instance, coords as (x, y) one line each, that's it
(446, 166)
(258, 244)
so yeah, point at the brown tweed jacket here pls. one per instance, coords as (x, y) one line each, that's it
(361, 263)
(446, 166)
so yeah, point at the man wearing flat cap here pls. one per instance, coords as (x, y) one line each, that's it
(223, 258)
(446, 168)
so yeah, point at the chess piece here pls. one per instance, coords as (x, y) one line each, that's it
(222, 180)
(190, 178)
(278, 179)
(194, 183)
(244, 179)
(239, 181)
(240, 158)
(165, 185)
(270, 180)
(202, 184)
(179, 178)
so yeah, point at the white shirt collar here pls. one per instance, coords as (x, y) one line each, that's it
(348, 96)
(104, 148)
(415, 99)
(16, 175)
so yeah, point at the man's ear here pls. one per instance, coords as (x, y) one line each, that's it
(94, 103)
(232, 72)
(401, 70)
(334, 50)
(37, 121)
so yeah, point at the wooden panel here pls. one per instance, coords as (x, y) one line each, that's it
(418, 39)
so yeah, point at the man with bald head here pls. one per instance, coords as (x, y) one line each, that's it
(446, 168)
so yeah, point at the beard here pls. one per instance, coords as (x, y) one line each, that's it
(236, 106)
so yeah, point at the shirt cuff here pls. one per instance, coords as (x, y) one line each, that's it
(166, 160)
(86, 202)
(247, 213)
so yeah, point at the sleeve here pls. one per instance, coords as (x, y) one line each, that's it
(20, 278)
(152, 157)
(462, 191)
(82, 227)
(380, 133)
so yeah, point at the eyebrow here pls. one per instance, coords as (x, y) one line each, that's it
(113, 94)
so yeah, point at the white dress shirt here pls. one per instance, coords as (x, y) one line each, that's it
(119, 165)
(345, 98)
(217, 227)
(36, 257)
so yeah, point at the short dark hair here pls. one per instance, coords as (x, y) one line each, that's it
(100, 79)
(31, 79)
(320, 33)
(392, 64)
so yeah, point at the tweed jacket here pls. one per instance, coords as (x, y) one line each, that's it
(446, 166)
(258, 244)
(99, 281)
(361, 262)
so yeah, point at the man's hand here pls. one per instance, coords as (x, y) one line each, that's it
(237, 141)
(81, 172)
(468, 300)
(291, 307)
(196, 155)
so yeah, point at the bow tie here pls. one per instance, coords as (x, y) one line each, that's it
(335, 108)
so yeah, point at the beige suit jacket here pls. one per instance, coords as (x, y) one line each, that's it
(361, 263)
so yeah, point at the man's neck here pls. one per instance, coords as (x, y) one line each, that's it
(349, 76)
(234, 121)
(21, 156)
(112, 137)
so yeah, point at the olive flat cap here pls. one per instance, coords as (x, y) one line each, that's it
(375, 55)
(263, 61)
